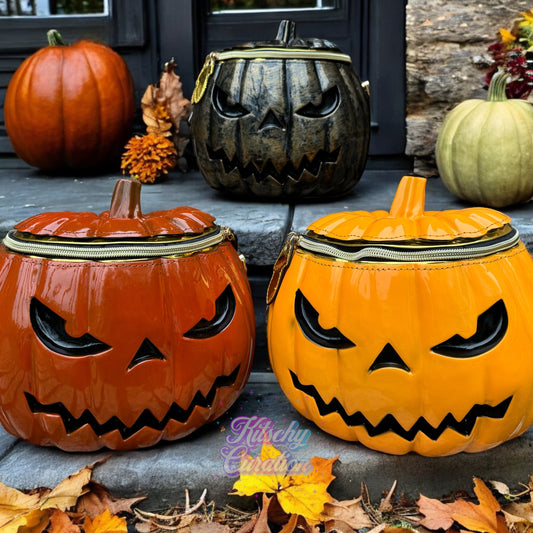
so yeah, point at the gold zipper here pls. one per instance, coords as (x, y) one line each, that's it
(281, 53)
(421, 254)
(97, 250)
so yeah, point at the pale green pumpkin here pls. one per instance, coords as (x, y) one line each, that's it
(485, 148)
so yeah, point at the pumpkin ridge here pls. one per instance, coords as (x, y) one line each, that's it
(95, 81)
(444, 154)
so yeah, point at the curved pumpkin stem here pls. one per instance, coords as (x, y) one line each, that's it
(409, 200)
(54, 38)
(126, 200)
(497, 87)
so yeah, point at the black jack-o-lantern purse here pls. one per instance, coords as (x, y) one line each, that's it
(287, 118)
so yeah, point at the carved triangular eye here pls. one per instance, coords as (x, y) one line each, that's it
(51, 331)
(224, 312)
(491, 328)
(307, 318)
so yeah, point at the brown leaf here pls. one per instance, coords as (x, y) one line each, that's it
(337, 526)
(170, 89)
(155, 114)
(60, 522)
(485, 517)
(350, 512)
(98, 499)
(501, 488)
(437, 514)
(248, 527)
(261, 525)
(519, 512)
(66, 494)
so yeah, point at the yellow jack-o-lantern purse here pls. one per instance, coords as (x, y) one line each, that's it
(407, 330)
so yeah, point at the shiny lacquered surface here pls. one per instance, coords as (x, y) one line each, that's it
(434, 358)
(408, 220)
(121, 354)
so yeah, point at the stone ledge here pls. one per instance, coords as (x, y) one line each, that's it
(164, 471)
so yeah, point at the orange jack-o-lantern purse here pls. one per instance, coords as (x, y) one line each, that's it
(121, 329)
(407, 330)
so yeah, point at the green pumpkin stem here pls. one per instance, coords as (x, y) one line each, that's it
(497, 87)
(54, 38)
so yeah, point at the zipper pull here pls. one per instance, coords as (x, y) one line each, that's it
(282, 263)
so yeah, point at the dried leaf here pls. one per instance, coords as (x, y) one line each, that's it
(298, 493)
(261, 524)
(32, 521)
(485, 517)
(61, 523)
(350, 512)
(105, 523)
(170, 89)
(338, 526)
(98, 498)
(155, 114)
(14, 503)
(164, 107)
(501, 488)
(437, 514)
(66, 494)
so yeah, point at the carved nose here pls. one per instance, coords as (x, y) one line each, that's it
(147, 351)
(389, 358)
(271, 120)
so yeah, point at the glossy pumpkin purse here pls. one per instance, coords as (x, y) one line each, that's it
(121, 329)
(407, 330)
(287, 118)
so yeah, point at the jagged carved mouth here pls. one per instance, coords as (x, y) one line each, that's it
(312, 166)
(389, 423)
(145, 419)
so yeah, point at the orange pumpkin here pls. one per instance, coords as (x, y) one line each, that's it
(407, 330)
(70, 107)
(121, 329)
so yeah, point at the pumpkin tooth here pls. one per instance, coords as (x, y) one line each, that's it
(145, 419)
(288, 171)
(389, 423)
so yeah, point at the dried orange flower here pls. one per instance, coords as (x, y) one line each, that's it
(148, 157)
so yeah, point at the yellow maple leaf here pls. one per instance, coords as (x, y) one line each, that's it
(105, 523)
(300, 487)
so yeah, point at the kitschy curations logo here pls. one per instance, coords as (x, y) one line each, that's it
(247, 435)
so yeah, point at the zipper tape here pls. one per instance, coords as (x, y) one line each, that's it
(114, 250)
(259, 53)
(420, 254)
(281, 53)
